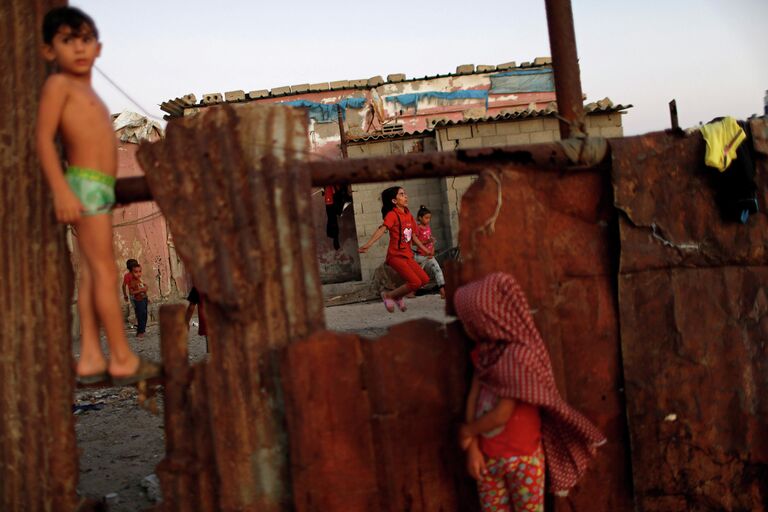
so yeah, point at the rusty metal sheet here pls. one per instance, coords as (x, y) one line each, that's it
(556, 233)
(693, 300)
(667, 199)
(371, 422)
(230, 188)
(696, 369)
(38, 452)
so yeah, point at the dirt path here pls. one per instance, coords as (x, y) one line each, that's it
(121, 443)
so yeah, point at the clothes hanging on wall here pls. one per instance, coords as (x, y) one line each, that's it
(727, 152)
(336, 197)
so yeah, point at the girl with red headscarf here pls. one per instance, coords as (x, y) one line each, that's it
(516, 419)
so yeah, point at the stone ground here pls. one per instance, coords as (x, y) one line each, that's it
(120, 443)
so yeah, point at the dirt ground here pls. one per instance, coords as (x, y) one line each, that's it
(120, 443)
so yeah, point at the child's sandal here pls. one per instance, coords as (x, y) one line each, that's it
(388, 303)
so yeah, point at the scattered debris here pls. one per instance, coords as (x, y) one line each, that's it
(151, 485)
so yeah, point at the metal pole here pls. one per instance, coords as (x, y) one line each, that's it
(545, 156)
(342, 133)
(565, 61)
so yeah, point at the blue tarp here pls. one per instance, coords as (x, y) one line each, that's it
(523, 80)
(326, 112)
(412, 99)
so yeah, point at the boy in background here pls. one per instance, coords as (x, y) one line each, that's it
(139, 298)
(126, 281)
(84, 195)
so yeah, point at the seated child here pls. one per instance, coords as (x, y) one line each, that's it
(426, 258)
(516, 419)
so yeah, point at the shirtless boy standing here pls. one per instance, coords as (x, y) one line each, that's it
(84, 195)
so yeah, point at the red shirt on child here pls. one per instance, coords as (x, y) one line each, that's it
(400, 225)
(424, 234)
(520, 436)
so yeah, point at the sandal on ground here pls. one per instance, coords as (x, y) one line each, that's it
(388, 303)
(401, 303)
(95, 378)
(147, 370)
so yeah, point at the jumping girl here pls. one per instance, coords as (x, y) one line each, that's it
(427, 259)
(400, 224)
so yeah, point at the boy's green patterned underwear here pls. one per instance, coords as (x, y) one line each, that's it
(94, 189)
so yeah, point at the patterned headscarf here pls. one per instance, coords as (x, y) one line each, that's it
(513, 363)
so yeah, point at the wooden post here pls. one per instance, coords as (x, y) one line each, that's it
(38, 455)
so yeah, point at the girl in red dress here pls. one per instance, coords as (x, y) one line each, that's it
(401, 225)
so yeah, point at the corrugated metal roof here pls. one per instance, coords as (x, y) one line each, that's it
(603, 106)
(387, 136)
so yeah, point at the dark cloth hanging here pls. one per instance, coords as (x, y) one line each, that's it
(336, 196)
(736, 188)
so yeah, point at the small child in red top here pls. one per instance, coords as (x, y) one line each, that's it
(400, 224)
(427, 258)
(139, 298)
(126, 281)
(515, 415)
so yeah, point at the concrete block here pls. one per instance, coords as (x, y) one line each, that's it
(604, 119)
(484, 68)
(521, 138)
(485, 129)
(465, 69)
(494, 140)
(550, 123)
(542, 61)
(396, 147)
(459, 132)
(358, 83)
(191, 111)
(506, 65)
(476, 142)
(355, 151)
(189, 99)
(531, 125)
(261, 93)
(212, 98)
(378, 149)
(300, 88)
(322, 86)
(339, 84)
(234, 96)
(396, 77)
(375, 81)
(279, 91)
(508, 128)
(543, 136)
(611, 131)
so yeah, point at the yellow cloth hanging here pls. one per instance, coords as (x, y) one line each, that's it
(722, 138)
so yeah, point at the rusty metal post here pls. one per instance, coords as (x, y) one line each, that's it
(38, 453)
(238, 204)
(174, 471)
(565, 61)
(342, 133)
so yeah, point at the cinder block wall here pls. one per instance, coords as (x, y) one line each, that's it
(367, 202)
